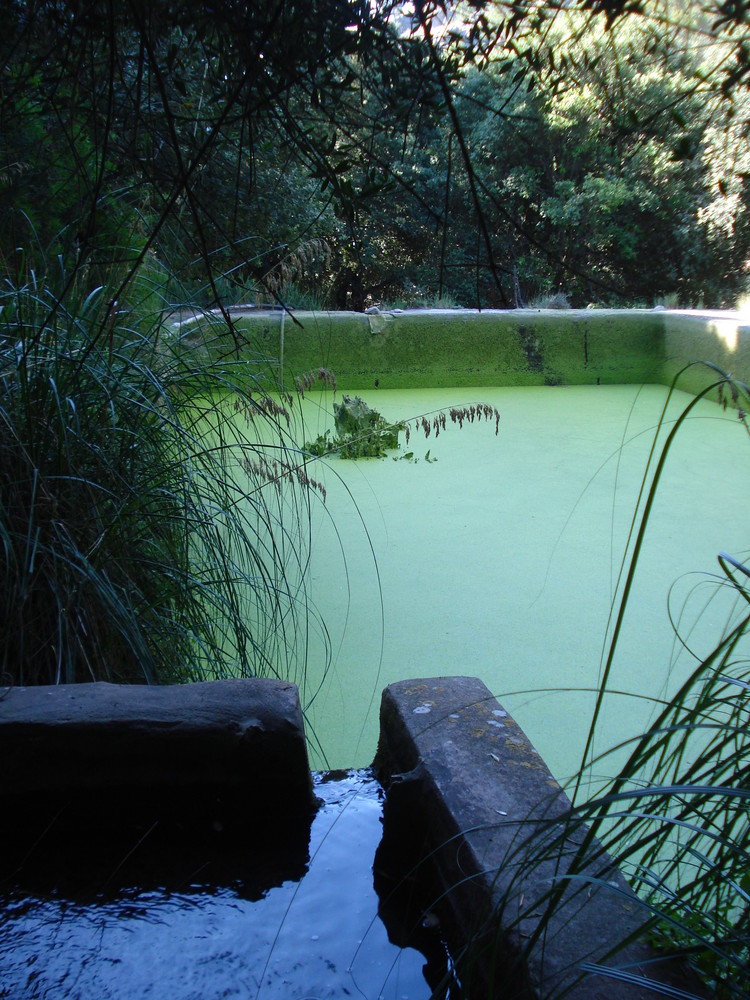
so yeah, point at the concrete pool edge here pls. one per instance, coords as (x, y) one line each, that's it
(214, 756)
(433, 348)
(467, 791)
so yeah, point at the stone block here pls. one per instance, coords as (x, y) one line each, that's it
(472, 803)
(218, 756)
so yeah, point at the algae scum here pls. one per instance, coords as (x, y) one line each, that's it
(498, 557)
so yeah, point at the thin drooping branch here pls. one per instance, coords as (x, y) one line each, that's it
(424, 23)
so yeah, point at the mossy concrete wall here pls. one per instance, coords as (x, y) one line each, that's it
(692, 338)
(432, 348)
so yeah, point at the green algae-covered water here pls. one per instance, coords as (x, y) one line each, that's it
(499, 557)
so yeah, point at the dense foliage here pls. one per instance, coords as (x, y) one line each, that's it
(124, 552)
(340, 153)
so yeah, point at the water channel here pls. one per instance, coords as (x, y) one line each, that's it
(289, 921)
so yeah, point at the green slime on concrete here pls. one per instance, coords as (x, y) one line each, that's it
(435, 348)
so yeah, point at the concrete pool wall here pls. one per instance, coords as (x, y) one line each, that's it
(434, 348)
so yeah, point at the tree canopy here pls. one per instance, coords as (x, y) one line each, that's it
(342, 153)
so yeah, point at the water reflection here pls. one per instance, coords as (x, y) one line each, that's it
(289, 917)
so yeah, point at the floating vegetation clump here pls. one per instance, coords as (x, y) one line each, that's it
(362, 432)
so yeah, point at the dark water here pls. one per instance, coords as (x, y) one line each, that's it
(316, 937)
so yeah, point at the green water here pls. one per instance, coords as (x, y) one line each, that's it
(500, 559)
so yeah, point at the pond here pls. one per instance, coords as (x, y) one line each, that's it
(495, 556)
(499, 557)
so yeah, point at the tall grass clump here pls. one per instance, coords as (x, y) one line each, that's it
(676, 815)
(137, 538)
(674, 812)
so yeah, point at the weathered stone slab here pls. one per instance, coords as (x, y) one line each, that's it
(472, 800)
(216, 754)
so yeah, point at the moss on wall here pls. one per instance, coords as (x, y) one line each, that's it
(434, 348)
(589, 347)
(692, 338)
(437, 348)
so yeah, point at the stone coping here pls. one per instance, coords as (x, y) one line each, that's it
(466, 794)
(223, 754)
